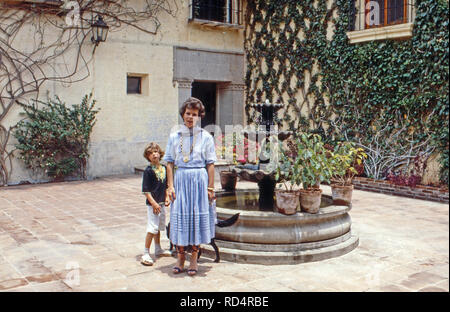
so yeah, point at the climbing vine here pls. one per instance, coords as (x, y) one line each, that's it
(389, 96)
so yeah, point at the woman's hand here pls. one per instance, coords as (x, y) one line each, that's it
(167, 201)
(211, 195)
(171, 193)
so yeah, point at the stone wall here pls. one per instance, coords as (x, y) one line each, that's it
(385, 187)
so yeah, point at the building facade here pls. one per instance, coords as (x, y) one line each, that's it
(139, 81)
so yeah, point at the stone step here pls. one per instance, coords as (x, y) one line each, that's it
(296, 247)
(277, 257)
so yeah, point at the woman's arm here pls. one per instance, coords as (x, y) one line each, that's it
(210, 169)
(170, 188)
(210, 159)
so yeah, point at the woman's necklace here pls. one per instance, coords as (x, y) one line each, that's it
(186, 158)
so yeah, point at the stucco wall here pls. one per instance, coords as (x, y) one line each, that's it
(126, 123)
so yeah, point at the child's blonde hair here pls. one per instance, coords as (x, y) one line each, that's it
(150, 148)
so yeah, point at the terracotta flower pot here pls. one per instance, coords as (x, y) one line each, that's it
(287, 201)
(310, 200)
(342, 194)
(228, 180)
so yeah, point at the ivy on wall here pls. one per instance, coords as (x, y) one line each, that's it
(390, 96)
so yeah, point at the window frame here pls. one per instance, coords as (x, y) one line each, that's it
(385, 14)
(33, 3)
(232, 15)
(359, 31)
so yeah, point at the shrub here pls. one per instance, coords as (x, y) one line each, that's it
(343, 159)
(55, 137)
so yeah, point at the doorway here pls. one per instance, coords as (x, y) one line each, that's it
(207, 93)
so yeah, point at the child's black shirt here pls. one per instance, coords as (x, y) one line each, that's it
(150, 183)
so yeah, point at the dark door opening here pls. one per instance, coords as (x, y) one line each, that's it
(206, 92)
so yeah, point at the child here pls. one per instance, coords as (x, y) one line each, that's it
(154, 185)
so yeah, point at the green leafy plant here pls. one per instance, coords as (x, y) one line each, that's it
(343, 159)
(387, 95)
(288, 170)
(316, 167)
(305, 162)
(55, 137)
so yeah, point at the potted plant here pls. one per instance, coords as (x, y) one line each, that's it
(228, 180)
(315, 168)
(344, 158)
(288, 170)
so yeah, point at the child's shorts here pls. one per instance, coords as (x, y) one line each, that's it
(156, 222)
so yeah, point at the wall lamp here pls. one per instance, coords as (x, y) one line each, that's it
(99, 31)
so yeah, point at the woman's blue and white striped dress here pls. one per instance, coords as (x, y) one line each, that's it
(192, 218)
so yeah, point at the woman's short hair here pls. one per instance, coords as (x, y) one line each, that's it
(193, 103)
(152, 147)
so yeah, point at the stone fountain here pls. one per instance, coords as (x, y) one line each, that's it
(264, 236)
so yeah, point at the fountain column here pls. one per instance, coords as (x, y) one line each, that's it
(230, 97)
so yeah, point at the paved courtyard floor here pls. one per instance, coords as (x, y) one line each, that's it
(89, 236)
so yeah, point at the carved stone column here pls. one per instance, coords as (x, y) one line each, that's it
(184, 91)
(231, 104)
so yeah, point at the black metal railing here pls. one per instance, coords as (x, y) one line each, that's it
(365, 14)
(223, 11)
(32, 4)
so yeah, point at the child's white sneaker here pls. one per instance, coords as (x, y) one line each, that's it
(159, 252)
(146, 259)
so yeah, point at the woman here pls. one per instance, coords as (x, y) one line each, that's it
(192, 219)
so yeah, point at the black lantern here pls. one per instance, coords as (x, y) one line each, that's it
(99, 31)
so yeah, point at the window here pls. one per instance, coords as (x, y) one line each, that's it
(381, 19)
(45, 6)
(138, 83)
(210, 10)
(216, 11)
(134, 85)
(385, 12)
(29, 3)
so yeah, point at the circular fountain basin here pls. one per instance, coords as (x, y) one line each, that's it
(269, 237)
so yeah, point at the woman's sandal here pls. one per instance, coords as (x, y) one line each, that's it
(192, 272)
(176, 269)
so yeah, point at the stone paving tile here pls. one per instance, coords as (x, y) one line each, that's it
(54, 286)
(12, 283)
(421, 280)
(270, 285)
(8, 272)
(443, 285)
(32, 267)
(389, 288)
(440, 269)
(432, 289)
(49, 232)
